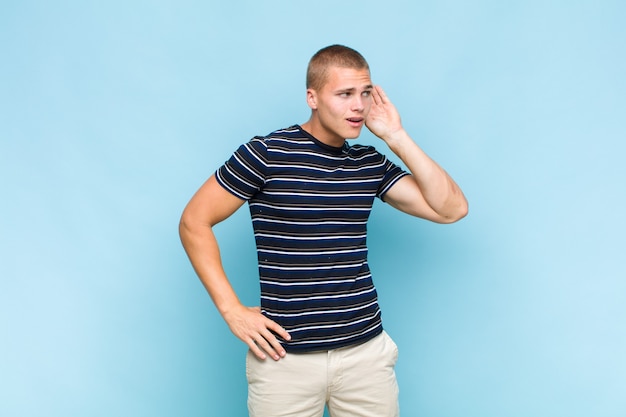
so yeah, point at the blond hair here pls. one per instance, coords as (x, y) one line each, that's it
(333, 55)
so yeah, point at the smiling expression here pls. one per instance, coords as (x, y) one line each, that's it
(340, 106)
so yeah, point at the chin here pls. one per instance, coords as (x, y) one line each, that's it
(352, 134)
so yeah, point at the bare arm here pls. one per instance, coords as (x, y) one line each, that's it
(210, 205)
(429, 193)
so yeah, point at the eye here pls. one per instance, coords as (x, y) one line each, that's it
(344, 94)
(367, 93)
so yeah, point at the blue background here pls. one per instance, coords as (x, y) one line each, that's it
(113, 113)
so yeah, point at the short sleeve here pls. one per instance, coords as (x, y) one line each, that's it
(244, 173)
(392, 174)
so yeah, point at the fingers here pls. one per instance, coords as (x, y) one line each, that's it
(379, 95)
(261, 348)
(265, 343)
(269, 343)
(254, 348)
(376, 96)
(259, 333)
(276, 328)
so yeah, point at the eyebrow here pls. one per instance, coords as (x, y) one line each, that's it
(352, 89)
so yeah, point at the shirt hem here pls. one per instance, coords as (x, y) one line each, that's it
(335, 345)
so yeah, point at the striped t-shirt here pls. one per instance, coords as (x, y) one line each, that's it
(309, 204)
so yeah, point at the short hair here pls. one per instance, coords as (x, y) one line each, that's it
(333, 55)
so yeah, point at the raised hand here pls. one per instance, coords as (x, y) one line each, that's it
(383, 119)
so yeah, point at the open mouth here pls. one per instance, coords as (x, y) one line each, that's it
(355, 121)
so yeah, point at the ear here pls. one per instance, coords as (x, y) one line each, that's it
(311, 98)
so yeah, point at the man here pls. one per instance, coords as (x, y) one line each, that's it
(310, 194)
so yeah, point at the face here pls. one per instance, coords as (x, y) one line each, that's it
(341, 105)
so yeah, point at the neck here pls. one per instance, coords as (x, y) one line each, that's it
(315, 129)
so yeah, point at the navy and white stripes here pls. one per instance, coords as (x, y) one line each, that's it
(309, 204)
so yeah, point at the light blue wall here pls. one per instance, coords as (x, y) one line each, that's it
(113, 113)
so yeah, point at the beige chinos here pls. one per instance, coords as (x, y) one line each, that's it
(354, 381)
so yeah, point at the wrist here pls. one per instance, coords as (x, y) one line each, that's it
(229, 307)
(396, 138)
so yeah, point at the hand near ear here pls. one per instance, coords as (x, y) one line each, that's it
(383, 119)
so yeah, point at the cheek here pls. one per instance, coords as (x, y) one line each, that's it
(367, 108)
(368, 103)
(333, 109)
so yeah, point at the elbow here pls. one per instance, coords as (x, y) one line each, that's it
(185, 226)
(460, 211)
(191, 225)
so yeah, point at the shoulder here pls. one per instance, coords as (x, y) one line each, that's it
(272, 140)
(360, 151)
(291, 140)
(280, 138)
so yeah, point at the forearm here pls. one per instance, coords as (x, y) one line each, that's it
(439, 190)
(203, 251)
(210, 205)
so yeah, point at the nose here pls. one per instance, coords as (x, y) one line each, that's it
(358, 104)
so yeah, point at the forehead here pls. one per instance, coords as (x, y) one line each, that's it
(340, 78)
